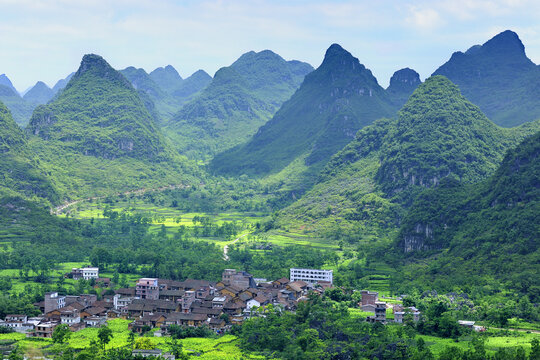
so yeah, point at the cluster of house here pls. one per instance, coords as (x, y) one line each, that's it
(159, 302)
(370, 303)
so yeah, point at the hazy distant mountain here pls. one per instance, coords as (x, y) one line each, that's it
(167, 78)
(4, 80)
(191, 86)
(161, 105)
(180, 90)
(20, 109)
(60, 84)
(332, 104)
(402, 85)
(39, 94)
(142, 82)
(499, 78)
(240, 99)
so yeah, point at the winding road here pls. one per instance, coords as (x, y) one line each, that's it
(58, 210)
(226, 247)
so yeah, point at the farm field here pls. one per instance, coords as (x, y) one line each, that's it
(204, 348)
(170, 219)
(493, 340)
(173, 218)
(226, 346)
(19, 283)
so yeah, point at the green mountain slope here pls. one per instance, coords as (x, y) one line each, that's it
(99, 114)
(20, 170)
(367, 187)
(499, 78)
(438, 134)
(39, 94)
(167, 78)
(333, 103)
(484, 233)
(97, 136)
(22, 220)
(20, 109)
(240, 99)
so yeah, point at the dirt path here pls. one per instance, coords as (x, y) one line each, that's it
(520, 330)
(226, 247)
(58, 210)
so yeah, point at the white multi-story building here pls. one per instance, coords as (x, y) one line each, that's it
(311, 275)
(86, 273)
(70, 316)
(121, 302)
(90, 273)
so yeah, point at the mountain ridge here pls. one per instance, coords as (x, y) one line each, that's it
(110, 105)
(331, 105)
(371, 183)
(39, 94)
(499, 78)
(240, 98)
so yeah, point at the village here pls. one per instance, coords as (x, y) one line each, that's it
(158, 303)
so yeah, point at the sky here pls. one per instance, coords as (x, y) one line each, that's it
(45, 40)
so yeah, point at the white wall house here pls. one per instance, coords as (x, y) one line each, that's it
(70, 317)
(90, 273)
(311, 275)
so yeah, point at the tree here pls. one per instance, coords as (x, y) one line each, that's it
(176, 349)
(131, 339)
(144, 343)
(61, 333)
(535, 350)
(104, 335)
(16, 354)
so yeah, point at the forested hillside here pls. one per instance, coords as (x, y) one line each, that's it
(21, 171)
(366, 188)
(484, 234)
(99, 114)
(240, 99)
(98, 137)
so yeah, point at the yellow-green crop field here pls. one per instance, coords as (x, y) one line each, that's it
(224, 347)
(493, 341)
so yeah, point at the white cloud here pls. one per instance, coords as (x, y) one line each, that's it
(424, 18)
(45, 39)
